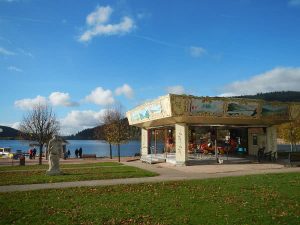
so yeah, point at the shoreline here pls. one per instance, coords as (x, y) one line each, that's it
(13, 162)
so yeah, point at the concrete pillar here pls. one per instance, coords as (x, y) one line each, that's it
(256, 140)
(145, 142)
(181, 132)
(271, 139)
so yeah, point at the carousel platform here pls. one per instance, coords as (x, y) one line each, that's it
(197, 159)
(153, 158)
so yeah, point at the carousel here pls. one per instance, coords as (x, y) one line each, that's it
(183, 129)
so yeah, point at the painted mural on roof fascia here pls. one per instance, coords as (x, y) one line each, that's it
(184, 105)
(156, 109)
(242, 109)
(204, 106)
(214, 106)
(179, 105)
(275, 110)
(147, 112)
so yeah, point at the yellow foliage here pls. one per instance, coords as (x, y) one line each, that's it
(290, 132)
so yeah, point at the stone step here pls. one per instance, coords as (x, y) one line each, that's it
(153, 159)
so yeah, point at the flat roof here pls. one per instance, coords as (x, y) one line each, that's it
(172, 108)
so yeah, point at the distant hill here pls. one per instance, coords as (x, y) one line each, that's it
(282, 96)
(9, 133)
(96, 133)
(86, 134)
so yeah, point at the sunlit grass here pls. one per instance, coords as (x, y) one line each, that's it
(72, 172)
(46, 166)
(258, 199)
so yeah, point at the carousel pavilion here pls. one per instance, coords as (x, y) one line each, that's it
(180, 128)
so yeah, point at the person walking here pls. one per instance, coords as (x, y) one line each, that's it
(34, 153)
(30, 153)
(76, 153)
(65, 155)
(80, 152)
(69, 153)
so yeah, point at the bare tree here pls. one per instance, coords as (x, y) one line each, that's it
(99, 134)
(116, 128)
(40, 124)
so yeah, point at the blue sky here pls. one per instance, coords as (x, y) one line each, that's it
(81, 56)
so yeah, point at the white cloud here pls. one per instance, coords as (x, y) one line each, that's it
(100, 15)
(61, 99)
(55, 99)
(78, 120)
(15, 69)
(28, 103)
(15, 125)
(227, 94)
(97, 24)
(125, 90)
(294, 2)
(6, 52)
(278, 79)
(177, 89)
(100, 96)
(197, 51)
(19, 51)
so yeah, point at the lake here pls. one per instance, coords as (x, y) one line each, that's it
(100, 148)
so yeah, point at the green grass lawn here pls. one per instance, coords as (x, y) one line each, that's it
(72, 172)
(62, 166)
(257, 199)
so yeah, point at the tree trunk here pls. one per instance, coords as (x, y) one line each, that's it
(41, 153)
(119, 152)
(110, 151)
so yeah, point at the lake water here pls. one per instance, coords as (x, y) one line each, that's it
(100, 148)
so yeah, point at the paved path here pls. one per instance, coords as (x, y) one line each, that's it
(167, 173)
(11, 162)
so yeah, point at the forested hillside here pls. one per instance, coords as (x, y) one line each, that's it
(9, 133)
(282, 96)
(87, 134)
(96, 133)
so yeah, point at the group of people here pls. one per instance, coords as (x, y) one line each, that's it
(78, 153)
(67, 154)
(32, 153)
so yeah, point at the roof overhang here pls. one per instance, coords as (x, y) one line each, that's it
(171, 109)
